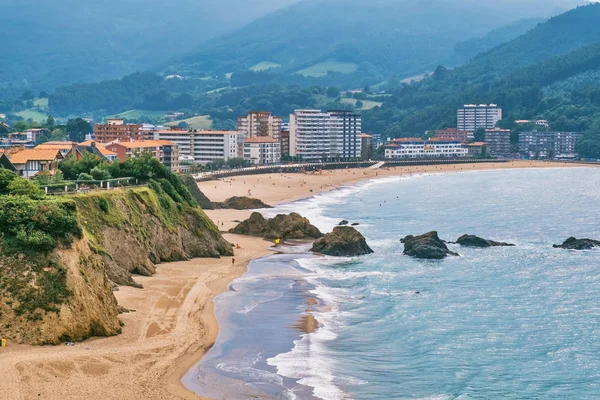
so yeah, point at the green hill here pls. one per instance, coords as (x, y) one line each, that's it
(388, 36)
(49, 43)
(548, 73)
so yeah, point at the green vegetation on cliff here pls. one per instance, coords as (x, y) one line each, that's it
(60, 256)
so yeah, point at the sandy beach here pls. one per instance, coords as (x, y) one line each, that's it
(174, 324)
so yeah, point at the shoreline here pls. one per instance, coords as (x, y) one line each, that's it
(175, 324)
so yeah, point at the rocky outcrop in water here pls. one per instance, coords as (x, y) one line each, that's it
(578, 244)
(292, 226)
(241, 203)
(344, 241)
(476, 241)
(343, 223)
(427, 246)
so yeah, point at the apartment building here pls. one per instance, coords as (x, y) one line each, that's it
(260, 124)
(165, 151)
(421, 148)
(285, 143)
(315, 135)
(548, 144)
(367, 146)
(205, 146)
(117, 129)
(454, 134)
(498, 142)
(472, 117)
(262, 150)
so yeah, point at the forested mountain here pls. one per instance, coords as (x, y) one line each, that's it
(548, 73)
(313, 37)
(47, 43)
(465, 50)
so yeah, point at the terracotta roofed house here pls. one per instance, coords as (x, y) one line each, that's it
(165, 151)
(30, 162)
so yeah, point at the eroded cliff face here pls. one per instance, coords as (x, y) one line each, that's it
(66, 294)
(137, 229)
(61, 296)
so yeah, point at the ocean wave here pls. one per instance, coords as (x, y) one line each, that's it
(311, 365)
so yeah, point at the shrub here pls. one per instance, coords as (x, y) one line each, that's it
(103, 204)
(6, 177)
(100, 174)
(85, 177)
(23, 187)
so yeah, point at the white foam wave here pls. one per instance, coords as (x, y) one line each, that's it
(310, 363)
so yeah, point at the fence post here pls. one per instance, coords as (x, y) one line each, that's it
(46, 189)
(66, 189)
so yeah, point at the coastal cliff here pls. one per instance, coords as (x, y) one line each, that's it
(60, 258)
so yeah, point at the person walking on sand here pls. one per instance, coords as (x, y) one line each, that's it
(232, 261)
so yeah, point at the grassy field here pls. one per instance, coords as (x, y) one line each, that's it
(321, 69)
(43, 102)
(264, 65)
(200, 122)
(136, 114)
(367, 104)
(33, 114)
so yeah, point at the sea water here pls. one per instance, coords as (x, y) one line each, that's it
(499, 323)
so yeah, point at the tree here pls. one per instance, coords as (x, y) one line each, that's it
(359, 104)
(479, 135)
(27, 95)
(85, 177)
(6, 177)
(3, 130)
(333, 91)
(50, 122)
(77, 129)
(21, 126)
(440, 73)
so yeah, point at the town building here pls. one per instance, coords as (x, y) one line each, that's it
(205, 146)
(472, 117)
(424, 148)
(285, 143)
(454, 134)
(549, 144)
(165, 151)
(260, 124)
(118, 130)
(366, 146)
(498, 142)
(262, 150)
(476, 149)
(28, 163)
(30, 135)
(542, 123)
(91, 146)
(317, 135)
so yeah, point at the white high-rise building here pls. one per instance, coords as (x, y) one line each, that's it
(204, 146)
(260, 124)
(472, 117)
(315, 135)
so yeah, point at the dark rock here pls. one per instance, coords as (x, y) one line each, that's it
(292, 226)
(343, 223)
(428, 246)
(241, 203)
(578, 244)
(476, 241)
(355, 224)
(344, 241)
(200, 197)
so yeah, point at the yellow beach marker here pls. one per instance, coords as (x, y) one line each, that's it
(277, 241)
(3, 342)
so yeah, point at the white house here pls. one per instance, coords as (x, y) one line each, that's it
(420, 148)
(262, 150)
